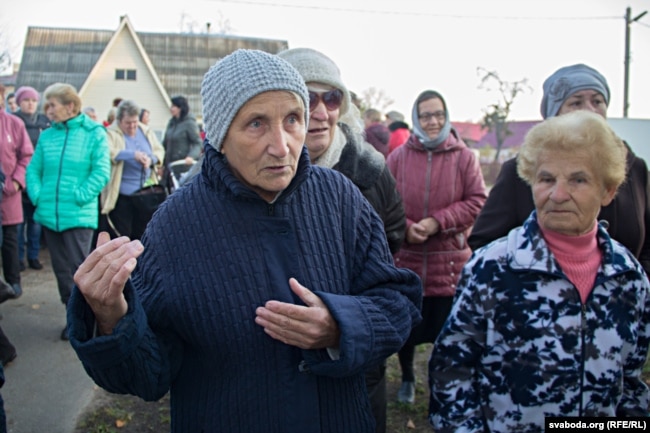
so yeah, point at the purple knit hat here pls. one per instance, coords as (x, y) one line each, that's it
(26, 92)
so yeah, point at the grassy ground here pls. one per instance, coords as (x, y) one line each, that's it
(406, 418)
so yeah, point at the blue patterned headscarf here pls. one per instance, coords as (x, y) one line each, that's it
(568, 80)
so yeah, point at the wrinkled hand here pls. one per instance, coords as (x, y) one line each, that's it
(307, 327)
(143, 159)
(102, 276)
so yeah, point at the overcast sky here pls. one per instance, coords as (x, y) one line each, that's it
(403, 47)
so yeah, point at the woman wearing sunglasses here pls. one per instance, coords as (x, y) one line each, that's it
(441, 184)
(334, 140)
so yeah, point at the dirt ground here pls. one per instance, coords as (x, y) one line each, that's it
(111, 413)
(126, 414)
(405, 418)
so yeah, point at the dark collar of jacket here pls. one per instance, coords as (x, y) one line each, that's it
(34, 120)
(175, 121)
(360, 162)
(630, 158)
(398, 125)
(216, 172)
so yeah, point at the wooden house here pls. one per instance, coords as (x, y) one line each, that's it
(149, 68)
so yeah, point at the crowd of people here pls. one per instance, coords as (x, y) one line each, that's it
(66, 175)
(324, 239)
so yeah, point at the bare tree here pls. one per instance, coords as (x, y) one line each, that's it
(5, 53)
(223, 24)
(375, 98)
(495, 117)
(5, 60)
(188, 24)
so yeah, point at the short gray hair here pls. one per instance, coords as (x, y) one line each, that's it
(127, 108)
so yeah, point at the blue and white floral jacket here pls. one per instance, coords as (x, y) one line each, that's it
(520, 345)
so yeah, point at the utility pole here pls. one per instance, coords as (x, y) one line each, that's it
(628, 22)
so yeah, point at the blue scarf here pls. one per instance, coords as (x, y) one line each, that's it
(423, 136)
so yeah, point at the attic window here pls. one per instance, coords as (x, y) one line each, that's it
(125, 74)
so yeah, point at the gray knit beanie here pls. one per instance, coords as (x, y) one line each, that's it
(234, 80)
(568, 80)
(315, 66)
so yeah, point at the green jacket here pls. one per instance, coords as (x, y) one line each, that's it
(69, 168)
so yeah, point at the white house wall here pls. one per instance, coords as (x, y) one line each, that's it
(636, 133)
(103, 88)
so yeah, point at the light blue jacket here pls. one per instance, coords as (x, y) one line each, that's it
(70, 166)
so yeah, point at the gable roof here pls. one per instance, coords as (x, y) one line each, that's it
(60, 55)
(125, 25)
(179, 60)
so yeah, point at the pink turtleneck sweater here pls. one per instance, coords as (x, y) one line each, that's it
(578, 256)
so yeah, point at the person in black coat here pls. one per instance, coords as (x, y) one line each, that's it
(27, 99)
(575, 87)
(335, 140)
(182, 140)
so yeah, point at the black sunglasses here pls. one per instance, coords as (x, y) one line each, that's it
(332, 99)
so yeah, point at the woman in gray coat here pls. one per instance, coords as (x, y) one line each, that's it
(182, 140)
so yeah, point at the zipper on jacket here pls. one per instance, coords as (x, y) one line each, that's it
(427, 193)
(271, 209)
(58, 179)
(583, 330)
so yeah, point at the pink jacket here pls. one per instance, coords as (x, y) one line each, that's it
(446, 184)
(16, 151)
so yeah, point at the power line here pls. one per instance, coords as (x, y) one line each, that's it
(416, 14)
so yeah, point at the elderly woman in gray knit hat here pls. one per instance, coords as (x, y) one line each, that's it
(261, 311)
(334, 140)
(571, 88)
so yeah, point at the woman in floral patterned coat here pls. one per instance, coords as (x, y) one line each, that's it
(554, 318)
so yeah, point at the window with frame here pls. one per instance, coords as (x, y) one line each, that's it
(125, 74)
